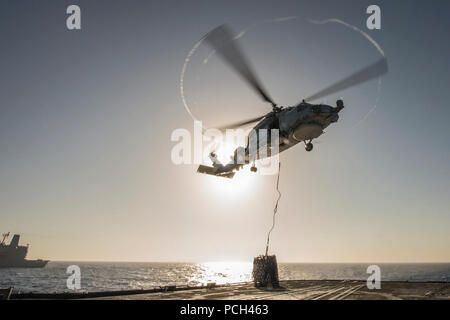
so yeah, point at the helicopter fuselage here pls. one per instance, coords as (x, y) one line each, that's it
(301, 123)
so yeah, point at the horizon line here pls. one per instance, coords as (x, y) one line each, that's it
(247, 261)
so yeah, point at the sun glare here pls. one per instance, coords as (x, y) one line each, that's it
(239, 184)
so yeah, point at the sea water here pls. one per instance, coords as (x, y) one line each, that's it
(105, 276)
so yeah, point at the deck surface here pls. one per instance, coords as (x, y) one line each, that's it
(305, 290)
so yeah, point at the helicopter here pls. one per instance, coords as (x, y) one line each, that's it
(302, 122)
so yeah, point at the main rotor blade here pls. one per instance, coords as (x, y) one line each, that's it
(222, 40)
(241, 123)
(372, 71)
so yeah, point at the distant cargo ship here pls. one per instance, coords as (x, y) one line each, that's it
(13, 255)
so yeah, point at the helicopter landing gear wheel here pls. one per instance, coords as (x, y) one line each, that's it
(253, 169)
(309, 146)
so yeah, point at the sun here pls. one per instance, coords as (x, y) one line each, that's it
(238, 185)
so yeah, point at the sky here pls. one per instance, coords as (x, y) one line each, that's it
(86, 118)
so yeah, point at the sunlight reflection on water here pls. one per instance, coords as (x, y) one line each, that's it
(222, 272)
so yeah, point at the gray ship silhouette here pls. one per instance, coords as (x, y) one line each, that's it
(13, 255)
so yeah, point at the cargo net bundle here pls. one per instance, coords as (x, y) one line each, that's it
(265, 271)
(265, 267)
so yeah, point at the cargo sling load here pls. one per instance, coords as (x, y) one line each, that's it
(13, 255)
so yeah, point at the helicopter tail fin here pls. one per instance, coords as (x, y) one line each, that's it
(339, 105)
(215, 172)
